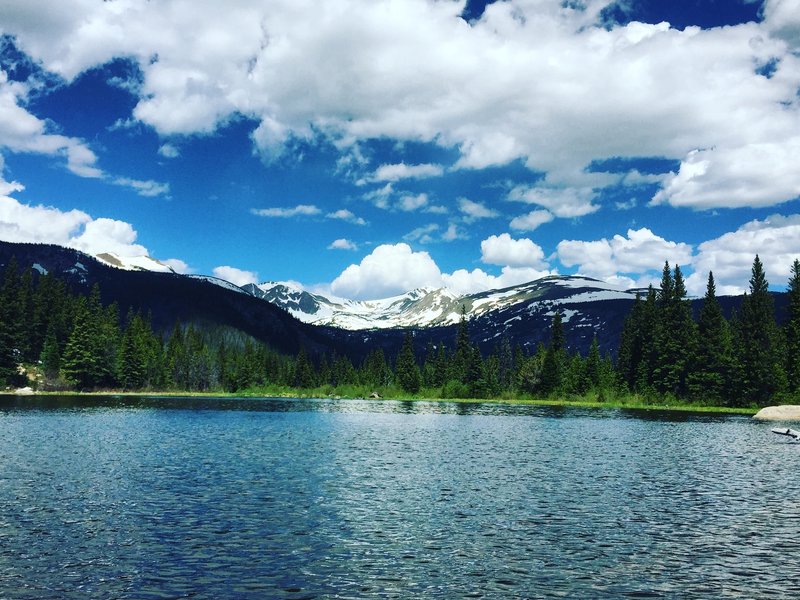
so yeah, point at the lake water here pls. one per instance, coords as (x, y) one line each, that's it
(170, 498)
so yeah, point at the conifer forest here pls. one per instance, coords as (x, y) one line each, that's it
(58, 340)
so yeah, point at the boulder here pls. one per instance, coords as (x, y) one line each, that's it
(785, 412)
(25, 391)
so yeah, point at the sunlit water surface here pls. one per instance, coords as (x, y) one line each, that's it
(210, 498)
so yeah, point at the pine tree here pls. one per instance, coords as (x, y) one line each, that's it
(51, 355)
(593, 364)
(675, 335)
(552, 368)
(793, 331)
(79, 363)
(758, 343)
(712, 365)
(303, 371)
(406, 370)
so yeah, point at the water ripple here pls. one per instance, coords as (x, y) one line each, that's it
(386, 500)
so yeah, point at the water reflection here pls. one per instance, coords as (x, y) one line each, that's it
(272, 498)
(340, 405)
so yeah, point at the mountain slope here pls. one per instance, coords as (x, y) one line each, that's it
(169, 297)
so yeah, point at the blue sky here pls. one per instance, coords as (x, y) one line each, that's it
(366, 147)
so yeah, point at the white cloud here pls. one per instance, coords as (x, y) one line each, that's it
(411, 202)
(504, 250)
(342, 244)
(75, 229)
(21, 131)
(782, 18)
(286, 213)
(561, 202)
(776, 240)
(413, 71)
(148, 189)
(759, 174)
(178, 265)
(396, 172)
(638, 253)
(346, 215)
(169, 151)
(235, 276)
(477, 280)
(475, 210)
(422, 234)
(531, 220)
(389, 270)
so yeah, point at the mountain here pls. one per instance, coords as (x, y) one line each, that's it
(288, 318)
(422, 307)
(426, 307)
(206, 303)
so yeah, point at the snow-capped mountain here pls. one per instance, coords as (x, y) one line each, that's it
(418, 308)
(133, 263)
(426, 307)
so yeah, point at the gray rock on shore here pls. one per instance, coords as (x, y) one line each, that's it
(785, 412)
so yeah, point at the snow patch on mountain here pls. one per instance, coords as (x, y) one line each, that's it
(427, 307)
(133, 263)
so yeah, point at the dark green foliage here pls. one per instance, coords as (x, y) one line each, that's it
(712, 367)
(758, 344)
(554, 357)
(675, 335)
(407, 370)
(793, 331)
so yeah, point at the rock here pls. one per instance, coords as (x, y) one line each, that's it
(785, 412)
(375, 395)
(25, 391)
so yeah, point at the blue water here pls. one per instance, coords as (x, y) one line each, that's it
(173, 498)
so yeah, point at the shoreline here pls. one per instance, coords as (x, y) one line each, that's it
(266, 394)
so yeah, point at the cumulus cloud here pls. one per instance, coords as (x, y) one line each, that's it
(396, 172)
(412, 202)
(640, 252)
(235, 276)
(286, 213)
(169, 151)
(759, 174)
(21, 131)
(414, 71)
(504, 250)
(462, 281)
(776, 240)
(346, 215)
(531, 220)
(389, 270)
(75, 229)
(177, 265)
(562, 202)
(342, 244)
(475, 210)
(148, 188)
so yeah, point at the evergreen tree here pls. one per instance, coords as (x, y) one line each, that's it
(793, 331)
(709, 379)
(552, 369)
(593, 364)
(406, 370)
(675, 335)
(79, 362)
(758, 344)
(303, 371)
(51, 356)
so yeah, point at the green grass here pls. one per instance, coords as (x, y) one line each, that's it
(590, 400)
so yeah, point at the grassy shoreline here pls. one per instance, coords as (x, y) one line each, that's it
(623, 402)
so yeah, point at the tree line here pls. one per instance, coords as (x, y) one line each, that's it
(73, 341)
(749, 359)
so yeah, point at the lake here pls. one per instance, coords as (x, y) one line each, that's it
(264, 498)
